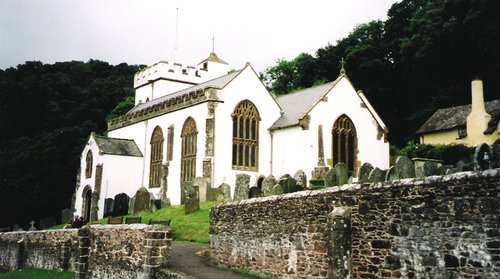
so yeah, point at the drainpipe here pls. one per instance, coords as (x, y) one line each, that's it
(144, 152)
(271, 159)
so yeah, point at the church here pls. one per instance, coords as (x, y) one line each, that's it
(207, 121)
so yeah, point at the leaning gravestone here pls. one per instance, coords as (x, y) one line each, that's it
(364, 172)
(201, 183)
(108, 207)
(192, 197)
(278, 190)
(66, 215)
(301, 179)
(376, 175)
(404, 167)
(254, 192)
(267, 186)
(242, 187)
(121, 205)
(288, 184)
(482, 157)
(391, 174)
(341, 173)
(142, 200)
(331, 178)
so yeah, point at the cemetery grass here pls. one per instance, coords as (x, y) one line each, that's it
(37, 274)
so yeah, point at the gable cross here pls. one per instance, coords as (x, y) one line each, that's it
(342, 69)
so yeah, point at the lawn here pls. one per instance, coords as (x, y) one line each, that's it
(37, 274)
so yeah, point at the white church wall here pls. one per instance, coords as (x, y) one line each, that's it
(246, 86)
(294, 149)
(84, 181)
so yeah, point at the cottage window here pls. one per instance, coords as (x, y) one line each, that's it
(156, 157)
(188, 158)
(344, 142)
(245, 137)
(88, 164)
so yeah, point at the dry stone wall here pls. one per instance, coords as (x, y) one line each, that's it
(435, 227)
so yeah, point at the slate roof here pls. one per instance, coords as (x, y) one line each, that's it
(217, 83)
(296, 105)
(114, 146)
(452, 117)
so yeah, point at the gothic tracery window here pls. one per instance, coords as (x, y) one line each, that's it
(245, 136)
(156, 157)
(188, 154)
(88, 164)
(344, 142)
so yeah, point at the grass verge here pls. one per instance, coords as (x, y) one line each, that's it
(37, 274)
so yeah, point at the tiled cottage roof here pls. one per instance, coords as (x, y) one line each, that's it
(217, 83)
(452, 117)
(114, 146)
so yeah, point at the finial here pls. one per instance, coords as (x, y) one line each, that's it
(213, 42)
(342, 63)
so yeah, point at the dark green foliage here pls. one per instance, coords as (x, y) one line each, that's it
(421, 58)
(449, 153)
(46, 114)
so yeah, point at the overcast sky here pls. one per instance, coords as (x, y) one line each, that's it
(145, 32)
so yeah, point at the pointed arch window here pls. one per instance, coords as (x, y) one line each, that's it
(156, 157)
(188, 153)
(245, 136)
(344, 142)
(88, 164)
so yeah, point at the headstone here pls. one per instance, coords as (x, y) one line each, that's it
(319, 172)
(267, 186)
(331, 178)
(242, 187)
(66, 215)
(32, 228)
(156, 204)
(162, 194)
(482, 157)
(278, 190)
(17, 228)
(142, 200)
(131, 205)
(495, 155)
(108, 207)
(364, 172)
(121, 205)
(254, 192)
(432, 168)
(301, 179)
(341, 173)
(426, 167)
(376, 175)
(288, 183)
(201, 183)
(226, 192)
(460, 166)
(316, 184)
(404, 167)
(192, 197)
(391, 174)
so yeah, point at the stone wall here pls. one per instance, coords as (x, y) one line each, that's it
(102, 251)
(436, 227)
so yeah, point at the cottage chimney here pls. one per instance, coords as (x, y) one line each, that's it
(477, 97)
(478, 119)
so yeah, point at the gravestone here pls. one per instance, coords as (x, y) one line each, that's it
(482, 157)
(364, 172)
(391, 174)
(108, 207)
(131, 205)
(301, 179)
(288, 184)
(32, 227)
(267, 186)
(156, 204)
(432, 168)
(254, 192)
(66, 215)
(226, 191)
(278, 190)
(191, 197)
(201, 183)
(460, 166)
(495, 155)
(341, 173)
(162, 194)
(376, 175)
(142, 200)
(121, 205)
(404, 167)
(331, 178)
(242, 187)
